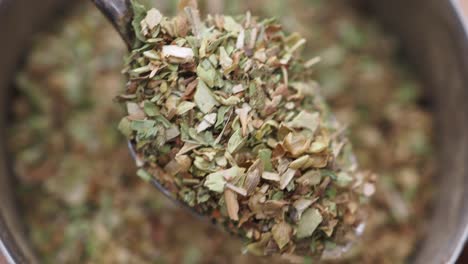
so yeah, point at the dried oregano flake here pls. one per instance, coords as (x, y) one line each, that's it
(227, 108)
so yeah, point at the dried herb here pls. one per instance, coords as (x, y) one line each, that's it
(260, 155)
(309, 221)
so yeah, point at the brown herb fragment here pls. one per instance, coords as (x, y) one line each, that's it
(286, 178)
(281, 234)
(232, 205)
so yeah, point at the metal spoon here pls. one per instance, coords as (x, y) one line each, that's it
(120, 14)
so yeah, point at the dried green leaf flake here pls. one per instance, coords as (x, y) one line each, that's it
(225, 60)
(309, 222)
(221, 115)
(139, 13)
(125, 127)
(231, 25)
(235, 142)
(150, 109)
(144, 175)
(281, 234)
(204, 98)
(145, 128)
(307, 120)
(217, 180)
(207, 73)
(184, 107)
(265, 156)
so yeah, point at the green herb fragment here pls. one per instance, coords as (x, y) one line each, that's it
(310, 178)
(162, 120)
(300, 162)
(231, 100)
(207, 73)
(150, 109)
(184, 107)
(265, 156)
(139, 12)
(258, 248)
(207, 122)
(145, 129)
(144, 175)
(277, 196)
(328, 173)
(221, 115)
(282, 234)
(231, 25)
(225, 60)
(331, 193)
(125, 127)
(188, 196)
(306, 120)
(235, 142)
(203, 98)
(217, 180)
(309, 222)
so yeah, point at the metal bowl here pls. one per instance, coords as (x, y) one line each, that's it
(436, 42)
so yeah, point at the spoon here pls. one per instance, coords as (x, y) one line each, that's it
(120, 14)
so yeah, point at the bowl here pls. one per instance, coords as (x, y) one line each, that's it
(435, 40)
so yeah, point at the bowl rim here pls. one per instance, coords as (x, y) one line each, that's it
(5, 253)
(461, 15)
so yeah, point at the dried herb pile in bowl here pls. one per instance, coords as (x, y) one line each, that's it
(224, 114)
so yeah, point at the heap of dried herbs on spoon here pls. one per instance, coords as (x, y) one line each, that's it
(224, 114)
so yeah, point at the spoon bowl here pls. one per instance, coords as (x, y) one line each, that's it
(120, 13)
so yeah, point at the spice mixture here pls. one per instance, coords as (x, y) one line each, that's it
(82, 202)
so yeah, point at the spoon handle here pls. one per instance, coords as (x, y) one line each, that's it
(120, 14)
